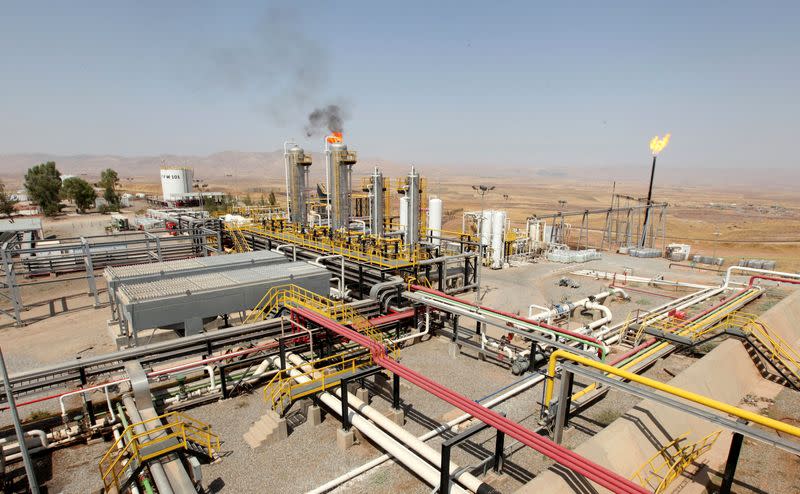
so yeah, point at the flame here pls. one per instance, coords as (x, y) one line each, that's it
(334, 137)
(657, 145)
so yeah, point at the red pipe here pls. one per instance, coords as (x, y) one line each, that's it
(650, 342)
(509, 314)
(771, 278)
(563, 456)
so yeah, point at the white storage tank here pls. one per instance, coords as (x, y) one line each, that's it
(435, 219)
(486, 228)
(498, 238)
(175, 182)
(404, 215)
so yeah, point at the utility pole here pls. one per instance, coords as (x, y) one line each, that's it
(482, 190)
(23, 449)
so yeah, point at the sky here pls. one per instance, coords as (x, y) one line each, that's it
(539, 84)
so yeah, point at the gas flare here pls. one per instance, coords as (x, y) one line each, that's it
(658, 144)
(334, 137)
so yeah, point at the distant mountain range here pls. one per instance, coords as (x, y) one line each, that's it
(236, 166)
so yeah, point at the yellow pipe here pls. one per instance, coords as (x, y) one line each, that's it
(635, 361)
(681, 393)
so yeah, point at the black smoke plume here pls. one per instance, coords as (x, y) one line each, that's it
(330, 117)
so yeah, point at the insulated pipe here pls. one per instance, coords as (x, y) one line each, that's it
(602, 348)
(560, 454)
(418, 333)
(771, 278)
(155, 467)
(408, 439)
(755, 270)
(395, 448)
(526, 383)
(332, 256)
(666, 388)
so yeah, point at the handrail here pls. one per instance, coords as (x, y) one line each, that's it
(667, 388)
(675, 464)
(186, 428)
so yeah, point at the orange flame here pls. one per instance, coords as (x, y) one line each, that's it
(658, 144)
(334, 137)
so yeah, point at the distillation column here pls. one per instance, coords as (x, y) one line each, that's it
(298, 164)
(341, 170)
(376, 205)
(413, 195)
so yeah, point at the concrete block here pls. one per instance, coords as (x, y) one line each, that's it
(397, 416)
(315, 415)
(363, 395)
(454, 350)
(345, 439)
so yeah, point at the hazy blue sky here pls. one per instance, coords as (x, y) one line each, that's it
(432, 82)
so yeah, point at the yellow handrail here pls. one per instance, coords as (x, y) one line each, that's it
(185, 428)
(667, 388)
(661, 475)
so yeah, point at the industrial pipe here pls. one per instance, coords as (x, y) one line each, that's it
(406, 438)
(667, 388)
(730, 270)
(564, 456)
(389, 444)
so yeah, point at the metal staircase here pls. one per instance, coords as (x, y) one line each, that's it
(132, 452)
(323, 373)
(240, 243)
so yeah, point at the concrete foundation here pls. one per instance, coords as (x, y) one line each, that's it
(314, 415)
(454, 350)
(397, 416)
(345, 439)
(363, 395)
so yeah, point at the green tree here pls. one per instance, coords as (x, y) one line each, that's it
(272, 201)
(80, 192)
(6, 203)
(248, 201)
(109, 179)
(43, 183)
(262, 201)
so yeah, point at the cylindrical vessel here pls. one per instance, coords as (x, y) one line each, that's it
(404, 215)
(435, 220)
(485, 228)
(498, 238)
(298, 185)
(176, 182)
(413, 195)
(342, 162)
(376, 210)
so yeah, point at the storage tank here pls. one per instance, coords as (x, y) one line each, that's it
(404, 215)
(435, 220)
(498, 238)
(485, 228)
(176, 182)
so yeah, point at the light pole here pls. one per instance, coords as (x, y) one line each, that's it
(482, 190)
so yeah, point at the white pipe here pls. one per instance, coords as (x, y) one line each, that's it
(213, 382)
(428, 435)
(104, 387)
(294, 250)
(756, 270)
(333, 256)
(536, 306)
(418, 333)
(408, 439)
(428, 473)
